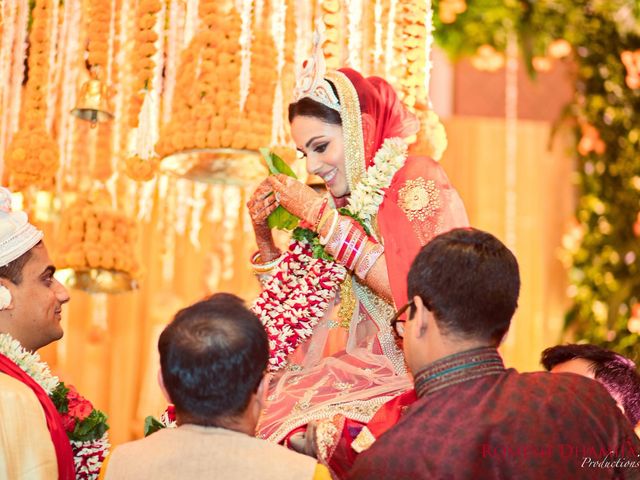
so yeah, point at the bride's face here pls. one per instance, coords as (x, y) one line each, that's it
(322, 145)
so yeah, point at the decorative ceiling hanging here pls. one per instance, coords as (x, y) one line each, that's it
(93, 104)
(32, 158)
(96, 246)
(207, 138)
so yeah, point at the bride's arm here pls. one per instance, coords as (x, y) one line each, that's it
(260, 206)
(350, 246)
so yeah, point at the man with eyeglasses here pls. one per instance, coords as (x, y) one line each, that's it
(474, 418)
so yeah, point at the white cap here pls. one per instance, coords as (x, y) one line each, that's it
(17, 235)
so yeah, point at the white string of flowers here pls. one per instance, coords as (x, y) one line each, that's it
(29, 362)
(367, 196)
(6, 41)
(277, 32)
(245, 51)
(354, 15)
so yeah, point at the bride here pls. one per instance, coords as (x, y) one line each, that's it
(326, 302)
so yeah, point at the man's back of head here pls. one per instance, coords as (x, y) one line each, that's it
(213, 356)
(617, 373)
(470, 282)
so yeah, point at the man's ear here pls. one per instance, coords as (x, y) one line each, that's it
(260, 392)
(420, 317)
(162, 387)
(6, 299)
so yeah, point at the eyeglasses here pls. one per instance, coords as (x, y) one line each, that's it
(397, 323)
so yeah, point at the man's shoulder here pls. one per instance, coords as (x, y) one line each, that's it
(562, 383)
(12, 388)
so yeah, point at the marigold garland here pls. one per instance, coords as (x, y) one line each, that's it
(98, 33)
(145, 49)
(205, 111)
(93, 235)
(411, 47)
(332, 19)
(32, 157)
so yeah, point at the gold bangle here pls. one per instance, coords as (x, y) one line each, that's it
(334, 223)
(259, 267)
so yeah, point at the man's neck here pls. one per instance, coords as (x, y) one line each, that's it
(444, 348)
(241, 423)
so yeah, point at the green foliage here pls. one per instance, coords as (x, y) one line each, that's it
(91, 428)
(306, 235)
(152, 425)
(604, 259)
(279, 218)
(59, 398)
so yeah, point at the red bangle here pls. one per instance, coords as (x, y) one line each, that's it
(325, 200)
(356, 248)
(344, 247)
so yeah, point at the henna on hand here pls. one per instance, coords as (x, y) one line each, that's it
(297, 198)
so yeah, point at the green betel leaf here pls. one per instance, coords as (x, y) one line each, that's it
(279, 218)
(282, 220)
(276, 164)
(151, 425)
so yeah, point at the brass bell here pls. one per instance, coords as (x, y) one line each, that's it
(93, 105)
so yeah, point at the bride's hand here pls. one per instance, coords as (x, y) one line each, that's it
(261, 204)
(297, 198)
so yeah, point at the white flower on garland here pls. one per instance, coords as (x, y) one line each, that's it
(29, 362)
(366, 197)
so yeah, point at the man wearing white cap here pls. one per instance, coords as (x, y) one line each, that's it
(33, 442)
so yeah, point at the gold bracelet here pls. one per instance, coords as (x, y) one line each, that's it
(259, 267)
(334, 223)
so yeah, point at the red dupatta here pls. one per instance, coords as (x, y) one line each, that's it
(420, 203)
(64, 454)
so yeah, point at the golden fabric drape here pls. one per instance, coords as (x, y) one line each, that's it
(109, 349)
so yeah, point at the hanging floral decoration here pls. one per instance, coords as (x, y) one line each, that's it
(32, 158)
(206, 110)
(93, 235)
(98, 36)
(413, 38)
(145, 48)
(332, 19)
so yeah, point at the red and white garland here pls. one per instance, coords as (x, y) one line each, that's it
(295, 298)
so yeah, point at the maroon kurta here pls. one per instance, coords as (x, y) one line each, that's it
(474, 419)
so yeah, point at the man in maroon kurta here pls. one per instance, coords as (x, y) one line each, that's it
(474, 418)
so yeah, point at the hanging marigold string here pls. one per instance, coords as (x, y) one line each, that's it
(145, 49)
(33, 158)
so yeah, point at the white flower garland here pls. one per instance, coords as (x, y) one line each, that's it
(29, 362)
(367, 196)
(87, 456)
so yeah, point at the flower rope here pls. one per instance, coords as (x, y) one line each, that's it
(294, 300)
(366, 198)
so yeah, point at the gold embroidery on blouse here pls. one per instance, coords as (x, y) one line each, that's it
(419, 199)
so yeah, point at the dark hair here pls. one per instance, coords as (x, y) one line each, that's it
(470, 281)
(213, 356)
(13, 270)
(617, 373)
(306, 107)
